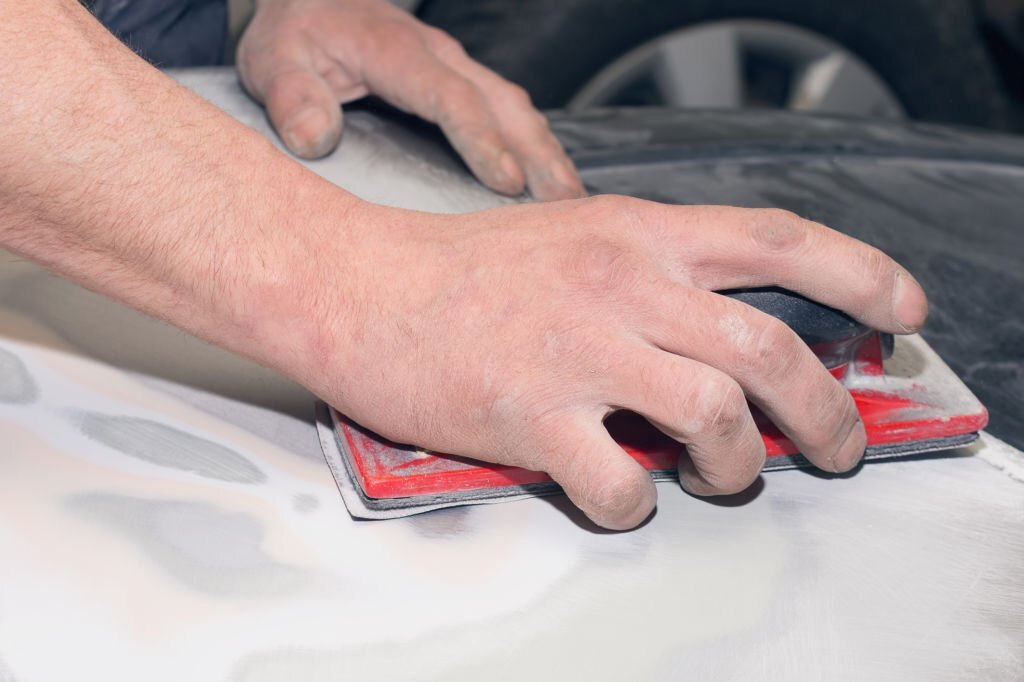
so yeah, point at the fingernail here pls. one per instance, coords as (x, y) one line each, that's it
(308, 132)
(909, 304)
(852, 449)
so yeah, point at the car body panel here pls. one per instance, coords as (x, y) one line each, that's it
(166, 514)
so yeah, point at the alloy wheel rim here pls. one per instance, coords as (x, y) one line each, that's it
(744, 63)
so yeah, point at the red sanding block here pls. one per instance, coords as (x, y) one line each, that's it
(911, 403)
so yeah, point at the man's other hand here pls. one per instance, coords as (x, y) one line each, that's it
(302, 58)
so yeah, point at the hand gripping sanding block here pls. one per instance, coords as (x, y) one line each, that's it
(911, 403)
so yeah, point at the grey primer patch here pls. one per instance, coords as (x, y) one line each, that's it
(169, 447)
(211, 550)
(442, 523)
(16, 386)
(305, 503)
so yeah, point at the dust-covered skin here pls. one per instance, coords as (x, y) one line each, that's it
(614, 309)
(301, 58)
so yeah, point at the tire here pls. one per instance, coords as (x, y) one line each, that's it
(929, 52)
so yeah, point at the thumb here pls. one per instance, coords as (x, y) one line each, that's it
(304, 111)
(599, 477)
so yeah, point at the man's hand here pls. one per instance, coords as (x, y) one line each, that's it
(505, 335)
(509, 335)
(301, 58)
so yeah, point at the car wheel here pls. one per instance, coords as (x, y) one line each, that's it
(922, 58)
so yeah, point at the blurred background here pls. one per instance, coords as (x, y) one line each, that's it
(950, 61)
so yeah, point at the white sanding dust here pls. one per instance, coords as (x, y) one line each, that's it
(1002, 456)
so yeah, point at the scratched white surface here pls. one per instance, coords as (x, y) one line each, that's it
(165, 514)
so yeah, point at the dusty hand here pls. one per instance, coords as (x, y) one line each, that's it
(512, 345)
(301, 58)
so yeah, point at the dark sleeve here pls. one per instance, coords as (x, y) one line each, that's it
(168, 33)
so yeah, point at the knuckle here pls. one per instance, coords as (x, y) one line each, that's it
(542, 128)
(460, 101)
(624, 214)
(778, 231)
(718, 409)
(878, 270)
(607, 203)
(727, 420)
(441, 42)
(518, 97)
(762, 346)
(604, 266)
(774, 351)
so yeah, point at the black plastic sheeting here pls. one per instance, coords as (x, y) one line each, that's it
(947, 203)
(168, 33)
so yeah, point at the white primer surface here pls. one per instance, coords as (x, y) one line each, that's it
(166, 514)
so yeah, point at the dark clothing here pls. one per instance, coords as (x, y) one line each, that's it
(168, 33)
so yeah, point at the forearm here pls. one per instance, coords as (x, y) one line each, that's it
(122, 180)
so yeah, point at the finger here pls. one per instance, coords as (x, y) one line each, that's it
(416, 81)
(608, 485)
(302, 108)
(776, 370)
(772, 247)
(550, 175)
(701, 407)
